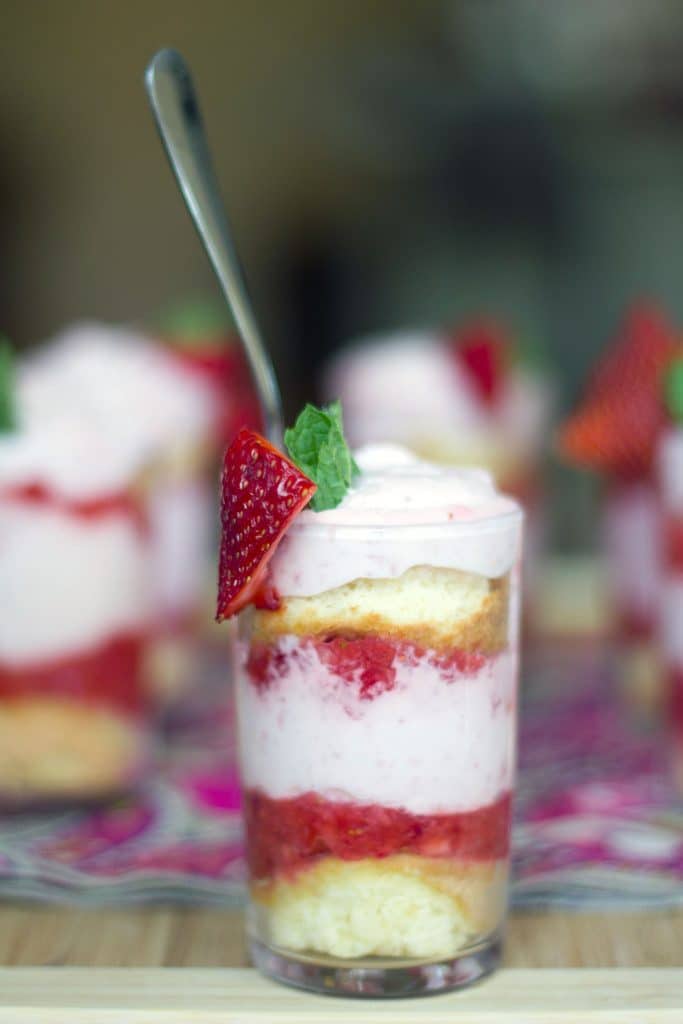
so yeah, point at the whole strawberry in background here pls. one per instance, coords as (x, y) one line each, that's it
(615, 429)
(614, 432)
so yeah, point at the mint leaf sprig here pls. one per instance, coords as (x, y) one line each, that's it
(317, 445)
(8, 412)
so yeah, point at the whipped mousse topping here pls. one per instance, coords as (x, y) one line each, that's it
(400, 512)
(398, 487)
(407, 387)
(67, 459)
(126, 386)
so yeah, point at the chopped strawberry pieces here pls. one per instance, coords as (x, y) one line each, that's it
(262, 491)
(109, 675)
(289, 834)
(481, 349)
(368, 664)
(615, 429)
(367, 661)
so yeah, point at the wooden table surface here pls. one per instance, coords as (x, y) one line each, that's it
(173, 937)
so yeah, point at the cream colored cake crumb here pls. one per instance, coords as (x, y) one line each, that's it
(55, 748)
(401, 906)
(436, 608)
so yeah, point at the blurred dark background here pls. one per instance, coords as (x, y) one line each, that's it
(384, 162)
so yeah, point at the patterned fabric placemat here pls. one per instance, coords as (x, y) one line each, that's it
(598, 824)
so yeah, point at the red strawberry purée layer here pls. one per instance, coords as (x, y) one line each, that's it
(122, 503)
(289, 835)
(369, 663)
(110, 675)
(262, 491)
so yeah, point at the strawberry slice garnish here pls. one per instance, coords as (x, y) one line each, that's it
(616, 427)
(481, 348)
(261, 493)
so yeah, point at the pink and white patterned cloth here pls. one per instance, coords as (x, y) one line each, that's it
(598, 824)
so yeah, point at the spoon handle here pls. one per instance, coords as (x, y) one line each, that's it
(176, 110)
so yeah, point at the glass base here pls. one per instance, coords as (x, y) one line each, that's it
(378, 979)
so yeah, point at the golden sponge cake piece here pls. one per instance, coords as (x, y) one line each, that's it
(52, 748)
(439, 609)
(403, 906)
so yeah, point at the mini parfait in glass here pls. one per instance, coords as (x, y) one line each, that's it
(133, 391)
(76, 607)
(376, 699)
(670, 464)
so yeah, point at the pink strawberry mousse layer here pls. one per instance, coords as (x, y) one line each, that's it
(309, 731)
(670, 464)
(631, 531)
(438, 737)
(68, 582)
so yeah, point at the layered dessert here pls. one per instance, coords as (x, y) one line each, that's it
(670, 464)
(376, 672)
(135, 393)
(614, 432)
(76, 616)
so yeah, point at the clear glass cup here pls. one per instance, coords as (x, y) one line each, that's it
(377, 739)
(671, 605)
(74, 589)
(630, 531)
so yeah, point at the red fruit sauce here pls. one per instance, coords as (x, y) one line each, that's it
(366, 662)
(287, 835)
(109, 675)
(123, 503)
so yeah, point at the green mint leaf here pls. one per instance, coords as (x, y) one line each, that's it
(8, 417)
(673, 390)
(334, 409)
(316, 443)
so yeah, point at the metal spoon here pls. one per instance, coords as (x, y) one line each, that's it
(174, 103)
